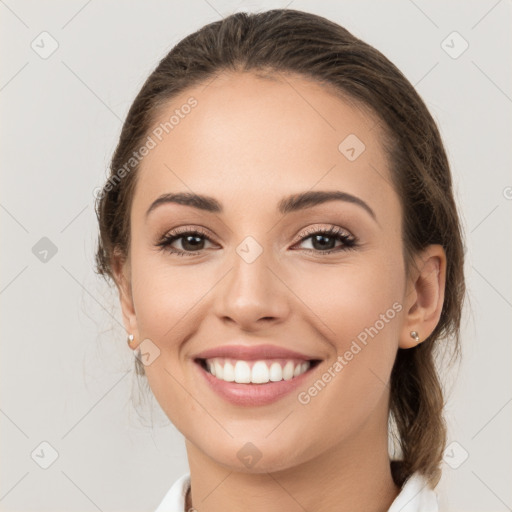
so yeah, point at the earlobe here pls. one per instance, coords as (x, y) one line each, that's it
(427, 289)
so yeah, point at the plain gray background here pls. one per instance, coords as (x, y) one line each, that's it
(66, 372)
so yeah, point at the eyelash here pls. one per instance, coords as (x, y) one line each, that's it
(350, 242)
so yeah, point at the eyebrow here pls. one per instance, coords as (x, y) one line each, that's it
(287, 205)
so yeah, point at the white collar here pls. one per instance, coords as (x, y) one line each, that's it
(174, 500)
(415, 496)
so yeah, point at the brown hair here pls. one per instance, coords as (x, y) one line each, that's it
(290, 41)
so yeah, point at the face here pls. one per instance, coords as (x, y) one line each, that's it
(254, 265)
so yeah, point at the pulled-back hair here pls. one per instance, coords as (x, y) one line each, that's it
(290, 41)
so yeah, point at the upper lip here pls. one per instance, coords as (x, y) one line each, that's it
(252, 352)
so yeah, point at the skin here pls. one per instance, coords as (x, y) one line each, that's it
(248, 143)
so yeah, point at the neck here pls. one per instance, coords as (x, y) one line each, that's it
(354, 475)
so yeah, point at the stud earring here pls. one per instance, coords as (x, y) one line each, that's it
(129, 340)
(414, 335)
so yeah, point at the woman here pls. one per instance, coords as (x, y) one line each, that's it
(280, 224)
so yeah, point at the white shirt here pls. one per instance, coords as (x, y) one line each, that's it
(415, 496)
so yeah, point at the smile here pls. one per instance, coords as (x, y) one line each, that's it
(255, 372)
(252, 383)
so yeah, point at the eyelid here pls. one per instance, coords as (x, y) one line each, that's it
(318, 227)
(188, 229)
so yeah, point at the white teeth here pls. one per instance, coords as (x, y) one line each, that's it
(256, 372)
(219, 370)
(288, 371)
(276, 372)
(260, 373)
(229, 373)
(242, 372)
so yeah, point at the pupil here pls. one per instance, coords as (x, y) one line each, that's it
(322, 244)
(193, 244)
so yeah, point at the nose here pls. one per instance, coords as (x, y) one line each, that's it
(252, 296)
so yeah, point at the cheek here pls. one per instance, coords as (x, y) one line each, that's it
(167, 302)
(164, 296)
(357, 309)
(352, 297)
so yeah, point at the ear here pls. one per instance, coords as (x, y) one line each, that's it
(425, 295)
(122, 278)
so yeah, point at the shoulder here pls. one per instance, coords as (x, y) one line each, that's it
(174, 499)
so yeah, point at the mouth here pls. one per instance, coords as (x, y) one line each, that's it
(258, 372)
(253, 375)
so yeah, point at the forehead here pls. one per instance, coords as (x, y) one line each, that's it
(256, 139)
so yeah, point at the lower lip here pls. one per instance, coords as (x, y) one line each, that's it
(253, 394)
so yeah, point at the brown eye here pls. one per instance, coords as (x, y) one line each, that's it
(191, 242)
(324, 241)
